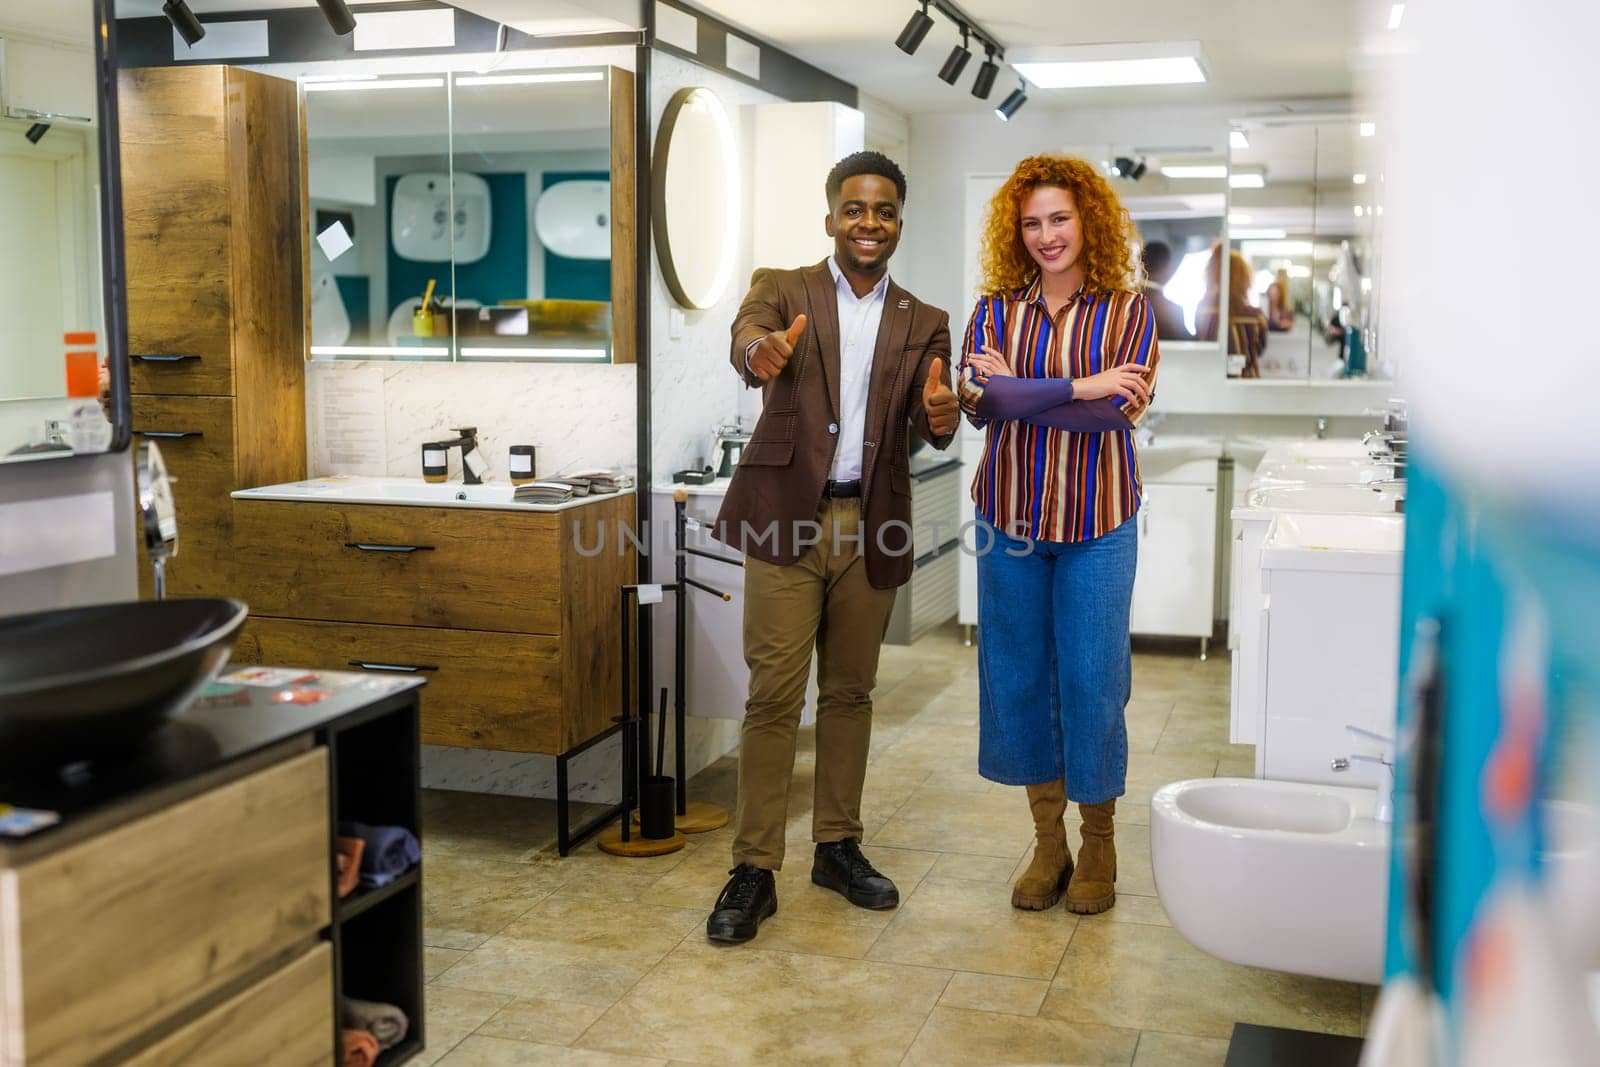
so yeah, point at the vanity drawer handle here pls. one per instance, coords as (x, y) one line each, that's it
(388, 548)
(163, 357)
(394, 668)
(169, 433)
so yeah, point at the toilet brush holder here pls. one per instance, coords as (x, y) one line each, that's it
(657, 807)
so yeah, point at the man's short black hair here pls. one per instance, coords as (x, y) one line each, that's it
(858, 163)
(1157, 257)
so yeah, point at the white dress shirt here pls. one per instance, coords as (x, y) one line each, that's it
(859, 318)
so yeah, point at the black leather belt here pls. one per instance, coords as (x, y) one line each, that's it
(841, 490)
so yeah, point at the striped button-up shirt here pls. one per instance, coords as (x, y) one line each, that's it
(1037, 481)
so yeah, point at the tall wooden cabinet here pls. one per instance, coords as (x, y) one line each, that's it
(213, 198)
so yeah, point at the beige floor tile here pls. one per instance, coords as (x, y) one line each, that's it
(961, 866)
(467, 898)
(1196, 728)
(435, 961)
(498, 1052)
(1149, 978)
(1241, 763)
(954, 1036)
(996, 993)
(1175, 1050)
(971, 926)
(1146, 719)
(552, 1022)
(943, 820)
(600, 876)
(1133, 908)
(452, 1014)
(781, 933)
(494, 826)
(551, 970)
(647, 929)
(749, 1005)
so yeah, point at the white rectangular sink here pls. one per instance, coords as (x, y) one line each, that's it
(1363, 543)
(1178, 459)
(411, 492)
(1325, 499)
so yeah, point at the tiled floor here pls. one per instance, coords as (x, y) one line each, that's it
(597, 960)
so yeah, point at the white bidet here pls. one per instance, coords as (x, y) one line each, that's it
(1283, 875)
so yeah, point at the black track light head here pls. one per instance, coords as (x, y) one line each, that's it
(337, 12)
(1012, 104)
(983, 84)
(917, 28)
(957, 61)
(36, 132)
(183, 20)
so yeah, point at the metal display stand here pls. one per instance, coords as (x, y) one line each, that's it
(645, 829)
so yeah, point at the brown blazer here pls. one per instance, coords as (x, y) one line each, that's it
(778, 482)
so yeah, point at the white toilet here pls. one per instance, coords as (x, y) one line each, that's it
(1283, 875)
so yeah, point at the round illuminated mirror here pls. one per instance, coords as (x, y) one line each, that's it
(696, 197)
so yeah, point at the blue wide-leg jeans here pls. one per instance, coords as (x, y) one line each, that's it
(1055, 669)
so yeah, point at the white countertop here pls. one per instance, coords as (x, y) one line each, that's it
(411, 492)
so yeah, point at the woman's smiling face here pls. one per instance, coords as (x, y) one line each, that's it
(1051, 229)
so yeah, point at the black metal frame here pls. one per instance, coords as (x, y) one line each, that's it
(566, 840)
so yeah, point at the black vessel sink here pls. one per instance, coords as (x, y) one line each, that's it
(83, 682)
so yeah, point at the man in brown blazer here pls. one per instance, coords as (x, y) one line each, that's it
(820, 504)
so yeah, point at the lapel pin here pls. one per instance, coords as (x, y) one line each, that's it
(904, 304)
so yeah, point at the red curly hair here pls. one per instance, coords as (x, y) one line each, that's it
(1109, 237)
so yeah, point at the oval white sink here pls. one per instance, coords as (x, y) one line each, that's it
(1262, 807)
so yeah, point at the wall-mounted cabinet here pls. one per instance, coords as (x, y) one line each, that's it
(462, 216)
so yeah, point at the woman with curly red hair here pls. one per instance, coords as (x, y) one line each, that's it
(1058, 365)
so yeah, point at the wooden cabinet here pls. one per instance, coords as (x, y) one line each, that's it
(106, 936)
(212, 196)
(511, 615)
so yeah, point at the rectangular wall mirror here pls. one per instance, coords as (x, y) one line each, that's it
(56, 391)
(1303, 225)
(487, 194)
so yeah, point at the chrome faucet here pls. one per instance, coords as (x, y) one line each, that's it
(472, 464)
(1383, 768)
(1322, 428)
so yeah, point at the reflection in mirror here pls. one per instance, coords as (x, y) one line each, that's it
(1177, 206)
(378, 164)
(53, 382)
(1301, 269)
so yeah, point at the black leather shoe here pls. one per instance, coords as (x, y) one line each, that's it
(841, 867)
(750, 896)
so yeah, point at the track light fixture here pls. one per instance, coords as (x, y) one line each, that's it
(983, 84)
(917, 28)
(1131, 169)
(1012, 104)
(37, 131)
(956, 61)
(337, 12)
(183, 20)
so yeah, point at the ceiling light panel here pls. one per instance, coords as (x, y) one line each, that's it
(1089, 66)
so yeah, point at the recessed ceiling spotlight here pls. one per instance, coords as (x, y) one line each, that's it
(183, 20)
(1359, 179)
(983, 84)
(956, 61)
(1237, 139)
(337, 12)
(1012, 104)
(917, 28)
(1369, 129)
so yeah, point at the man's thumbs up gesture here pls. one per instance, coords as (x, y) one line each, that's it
(768, 358)
(939, 401)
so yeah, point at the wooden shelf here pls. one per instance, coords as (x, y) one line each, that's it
(360, 901)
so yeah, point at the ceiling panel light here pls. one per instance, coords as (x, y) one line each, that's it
(1245, 179)
(393, 83)
(1086, 66)
(1360, 211)
(1369, 129)
(1258, 235)
(1239, 218)
(1396, 13)
(1359, 179)
(956, 61)
(1276, 248)
(1012, 104)
(1196, 170)
(1237, 139)
(917, 28)
(1299, 270)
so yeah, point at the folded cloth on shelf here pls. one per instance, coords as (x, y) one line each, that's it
(348, 852)
(390, 852)
(360, 1049)
(385, 1022)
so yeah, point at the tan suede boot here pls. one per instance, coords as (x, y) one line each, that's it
(1041, 884)
(1093, 886)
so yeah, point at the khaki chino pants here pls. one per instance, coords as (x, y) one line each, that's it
(824, 601)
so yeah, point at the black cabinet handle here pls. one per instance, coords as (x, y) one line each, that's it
(388, 548)
(163, 357)
(393, 668)
(169, 433)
